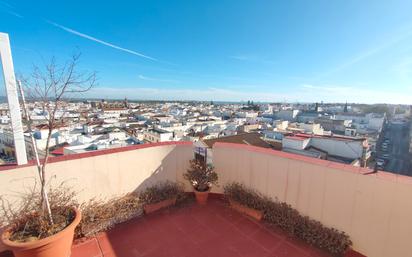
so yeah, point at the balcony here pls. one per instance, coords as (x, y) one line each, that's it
(373, 208)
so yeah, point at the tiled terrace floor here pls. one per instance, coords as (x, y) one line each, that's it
(202, 231)
(213, 230)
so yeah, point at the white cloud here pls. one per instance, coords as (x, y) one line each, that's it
(251, 58)
(304, 93)
(201, 94)
(77, 33)
(331, 89)
(15, 14)
(157, 79)
(393, 40)
(9, 9)
(332, 93)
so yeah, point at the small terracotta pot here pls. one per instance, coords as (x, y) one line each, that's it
(257, 215)
(57, 245)
(149, 208)
(201, 197)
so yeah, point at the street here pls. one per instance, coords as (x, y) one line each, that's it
(398, 150)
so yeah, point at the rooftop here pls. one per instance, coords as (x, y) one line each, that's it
(350, 199)
(244, 138)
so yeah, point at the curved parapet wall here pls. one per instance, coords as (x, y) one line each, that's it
(106, 173)
(375, 209)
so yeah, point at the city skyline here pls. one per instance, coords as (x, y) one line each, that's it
(232, 51)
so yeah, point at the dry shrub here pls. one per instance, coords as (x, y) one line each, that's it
(98, 216)
(160, 192)
(32, 224)
(29, 221)
(284, 216)
(246, 196)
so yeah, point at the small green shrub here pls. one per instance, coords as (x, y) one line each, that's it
(201, 175)
(284, 216)
(160, 192)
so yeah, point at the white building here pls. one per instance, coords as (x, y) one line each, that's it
(158, 135)
(289, 115)
(349, 148)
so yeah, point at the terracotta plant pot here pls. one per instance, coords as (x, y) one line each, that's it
(149, 208)
(201, 197)
(57, 245)
(255, 214)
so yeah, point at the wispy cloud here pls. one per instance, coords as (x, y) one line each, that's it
(369, 52)
(330, 89)
(14, 14)
(156, 79)
(6, 4)
(337, 93)
(251, 58)
(80, 34)
(203, 93)
(242, 57)
(8, 8)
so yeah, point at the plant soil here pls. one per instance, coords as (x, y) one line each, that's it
(36, 226)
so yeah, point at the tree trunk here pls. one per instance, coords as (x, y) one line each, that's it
(45, 198)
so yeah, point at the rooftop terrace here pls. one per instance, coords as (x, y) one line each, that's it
(374, 209)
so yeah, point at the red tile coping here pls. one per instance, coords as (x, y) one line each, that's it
(95, 153)
(340, 166)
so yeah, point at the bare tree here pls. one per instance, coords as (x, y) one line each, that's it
(52, 86)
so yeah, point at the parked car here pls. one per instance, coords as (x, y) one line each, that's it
(385, 156)
(380, 162)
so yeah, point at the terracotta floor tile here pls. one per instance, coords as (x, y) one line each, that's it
(247, 226)
(104, 243)
(6, 254)
(266, 239)
(89, 248)
(202, 234)
(287, 250)
(213, 230)
(249, 248)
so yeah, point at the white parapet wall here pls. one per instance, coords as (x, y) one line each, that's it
(107, 173)
(375, 209)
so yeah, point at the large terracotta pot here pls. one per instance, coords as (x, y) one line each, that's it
(58, 245)
(149, 208)
(201, 197)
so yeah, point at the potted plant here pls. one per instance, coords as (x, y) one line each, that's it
(48, 230)
(161, 195)
(244, 200)
(202, 176)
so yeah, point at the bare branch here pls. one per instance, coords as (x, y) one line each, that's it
(51, 85)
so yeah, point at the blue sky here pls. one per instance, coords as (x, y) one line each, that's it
(331, 51)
